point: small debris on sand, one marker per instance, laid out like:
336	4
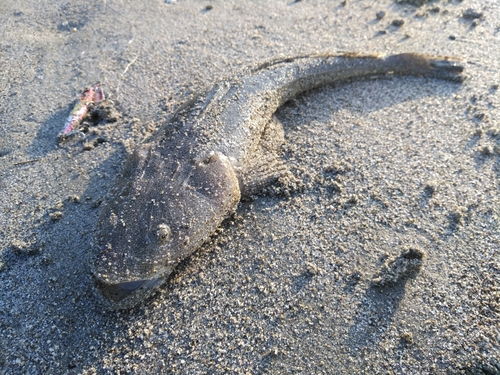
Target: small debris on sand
405	266
398	23
471	14
417	3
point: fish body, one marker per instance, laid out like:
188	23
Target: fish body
176	189
89	97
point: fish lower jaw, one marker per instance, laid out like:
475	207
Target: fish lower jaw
125	295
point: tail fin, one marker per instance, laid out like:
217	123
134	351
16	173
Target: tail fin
443	67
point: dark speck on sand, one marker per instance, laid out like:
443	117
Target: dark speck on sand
286	286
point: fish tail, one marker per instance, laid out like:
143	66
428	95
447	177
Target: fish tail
442	67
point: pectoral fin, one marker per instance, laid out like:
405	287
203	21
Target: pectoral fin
265	167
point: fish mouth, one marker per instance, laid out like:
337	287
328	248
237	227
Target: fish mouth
120	291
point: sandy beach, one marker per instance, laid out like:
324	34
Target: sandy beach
384	259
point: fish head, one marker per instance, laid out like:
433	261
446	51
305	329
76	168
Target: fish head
160	210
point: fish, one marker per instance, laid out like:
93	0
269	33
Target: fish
89	97
174	190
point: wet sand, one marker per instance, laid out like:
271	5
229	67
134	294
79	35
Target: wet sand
318	280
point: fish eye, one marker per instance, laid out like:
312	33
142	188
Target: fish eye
163	234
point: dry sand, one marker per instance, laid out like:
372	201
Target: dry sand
308	283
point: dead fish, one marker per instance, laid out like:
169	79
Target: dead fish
89	97
176	189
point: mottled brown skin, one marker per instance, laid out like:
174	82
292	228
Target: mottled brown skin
175	190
